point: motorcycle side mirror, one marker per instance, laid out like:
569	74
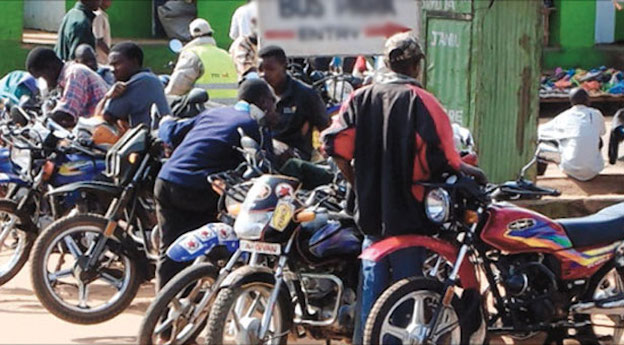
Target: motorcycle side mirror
19	116
198	96
58	130
176	45
154	114
249	145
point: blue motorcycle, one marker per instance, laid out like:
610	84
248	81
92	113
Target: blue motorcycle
35	159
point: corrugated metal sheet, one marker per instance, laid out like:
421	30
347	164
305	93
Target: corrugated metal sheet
506	65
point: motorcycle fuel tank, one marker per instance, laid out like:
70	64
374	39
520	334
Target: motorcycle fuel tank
333	240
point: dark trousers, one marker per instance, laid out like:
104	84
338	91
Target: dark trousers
179	210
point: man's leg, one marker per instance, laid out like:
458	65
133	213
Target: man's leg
374	278
179	210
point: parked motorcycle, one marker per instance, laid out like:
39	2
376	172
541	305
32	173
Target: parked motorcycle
543	275
36	159
107	255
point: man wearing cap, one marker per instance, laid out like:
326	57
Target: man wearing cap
202	64
389	136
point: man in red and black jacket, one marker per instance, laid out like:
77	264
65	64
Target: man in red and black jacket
387	137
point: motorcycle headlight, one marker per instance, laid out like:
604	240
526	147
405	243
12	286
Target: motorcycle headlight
249	225
438	205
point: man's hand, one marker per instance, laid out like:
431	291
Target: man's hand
475	172
117	90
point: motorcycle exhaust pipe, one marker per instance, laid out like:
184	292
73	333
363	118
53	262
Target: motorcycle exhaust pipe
612	306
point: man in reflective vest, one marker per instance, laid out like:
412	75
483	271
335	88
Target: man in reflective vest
202	64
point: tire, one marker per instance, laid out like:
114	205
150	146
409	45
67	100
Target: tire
385	304
49	243
224	302
25	241
160	306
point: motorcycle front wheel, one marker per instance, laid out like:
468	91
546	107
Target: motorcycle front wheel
402	315
236	314
15	243
68	290
171	319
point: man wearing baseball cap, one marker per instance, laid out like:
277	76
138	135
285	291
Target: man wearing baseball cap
389	136
202	64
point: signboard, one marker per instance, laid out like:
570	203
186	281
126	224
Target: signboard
334	27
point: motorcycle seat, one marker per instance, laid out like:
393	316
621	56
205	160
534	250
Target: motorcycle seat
604	227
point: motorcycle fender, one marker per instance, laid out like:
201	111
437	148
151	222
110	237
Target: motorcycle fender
200	242
381	249
86	186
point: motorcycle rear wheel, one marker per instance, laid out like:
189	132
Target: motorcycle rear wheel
15	243
174	306
386	321
74	235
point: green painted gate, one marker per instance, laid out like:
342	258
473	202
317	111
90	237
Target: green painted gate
483	63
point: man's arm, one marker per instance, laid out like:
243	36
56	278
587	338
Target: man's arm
98	32
187	71
172	131
318	112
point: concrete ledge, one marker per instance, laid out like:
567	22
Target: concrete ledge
567	207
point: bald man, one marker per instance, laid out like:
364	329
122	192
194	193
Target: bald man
85	55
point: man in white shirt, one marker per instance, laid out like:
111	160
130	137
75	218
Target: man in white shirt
242	20
578	132
102	32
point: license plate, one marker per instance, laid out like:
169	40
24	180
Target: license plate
260	247
282	215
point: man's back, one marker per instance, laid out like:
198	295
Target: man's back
578	131
75	30
208	147
82	90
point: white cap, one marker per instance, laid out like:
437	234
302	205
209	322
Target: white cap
200	27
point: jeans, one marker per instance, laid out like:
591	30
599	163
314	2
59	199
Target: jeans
375	277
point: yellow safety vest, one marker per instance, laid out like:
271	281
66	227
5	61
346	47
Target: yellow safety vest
220	78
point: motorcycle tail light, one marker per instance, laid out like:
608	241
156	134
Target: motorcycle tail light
48	170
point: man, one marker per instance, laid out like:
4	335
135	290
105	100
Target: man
202	64
130	100
102	32
578	133
16	85
82	89
396	134
244	52
76	29
86	55
185	200
300	108
242	20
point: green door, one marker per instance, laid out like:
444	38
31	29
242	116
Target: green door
448	63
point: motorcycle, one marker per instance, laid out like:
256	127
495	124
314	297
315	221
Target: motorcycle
535	274
111	253
36	159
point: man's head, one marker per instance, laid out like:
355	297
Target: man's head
200	28
272	65
92	5
44	63
86	55
579	96
258	93
403	54
126	58
106	4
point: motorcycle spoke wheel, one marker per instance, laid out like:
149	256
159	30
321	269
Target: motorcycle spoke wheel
79	291
15	244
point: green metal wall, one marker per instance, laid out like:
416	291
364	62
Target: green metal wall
505	73
488	75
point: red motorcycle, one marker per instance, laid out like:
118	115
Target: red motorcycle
514	272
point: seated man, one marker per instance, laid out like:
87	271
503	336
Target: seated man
86	55
578	133
130	100
82	89
185	200
300	108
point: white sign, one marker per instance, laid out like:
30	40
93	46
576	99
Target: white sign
334	27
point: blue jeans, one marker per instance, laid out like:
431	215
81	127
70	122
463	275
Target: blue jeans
375	277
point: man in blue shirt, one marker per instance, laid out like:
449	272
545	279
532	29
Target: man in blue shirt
185	200
129	101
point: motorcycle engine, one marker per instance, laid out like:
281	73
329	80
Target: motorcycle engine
532	287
